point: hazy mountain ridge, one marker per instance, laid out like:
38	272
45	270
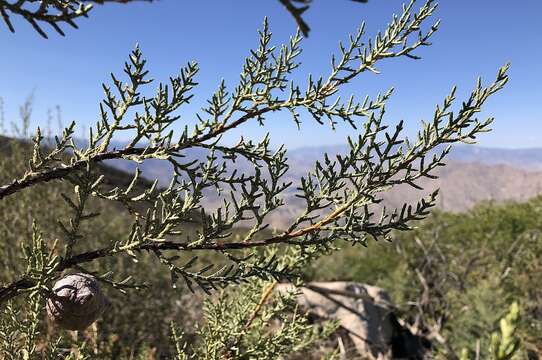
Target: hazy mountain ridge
302	160
462	185
526	159
473	174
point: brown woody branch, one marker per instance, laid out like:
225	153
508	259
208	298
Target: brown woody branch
67	13
10	291
297	12
61	172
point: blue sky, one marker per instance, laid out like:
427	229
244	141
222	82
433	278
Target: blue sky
476	37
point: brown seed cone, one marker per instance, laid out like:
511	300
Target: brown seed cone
77	302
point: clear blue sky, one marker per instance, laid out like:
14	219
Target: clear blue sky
476	37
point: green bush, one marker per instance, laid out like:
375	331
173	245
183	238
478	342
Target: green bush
64	212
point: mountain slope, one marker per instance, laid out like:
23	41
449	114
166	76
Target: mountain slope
473	174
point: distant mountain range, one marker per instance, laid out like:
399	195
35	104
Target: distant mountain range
302	160
526	159
473	174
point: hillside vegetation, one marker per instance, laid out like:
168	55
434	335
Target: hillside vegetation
103	264
131	323
455	274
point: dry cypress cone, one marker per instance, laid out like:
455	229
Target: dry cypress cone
76	302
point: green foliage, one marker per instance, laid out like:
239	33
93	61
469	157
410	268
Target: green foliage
340	194
505	343
57	12
456	273
253	323
232	243
133	319
66	12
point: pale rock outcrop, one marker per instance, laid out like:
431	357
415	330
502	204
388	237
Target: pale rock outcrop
364	311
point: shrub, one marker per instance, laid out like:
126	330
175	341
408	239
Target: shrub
342	195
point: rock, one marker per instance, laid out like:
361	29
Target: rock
77	302
364	311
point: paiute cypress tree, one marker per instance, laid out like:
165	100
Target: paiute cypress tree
341	194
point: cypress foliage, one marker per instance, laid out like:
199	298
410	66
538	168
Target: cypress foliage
341	194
